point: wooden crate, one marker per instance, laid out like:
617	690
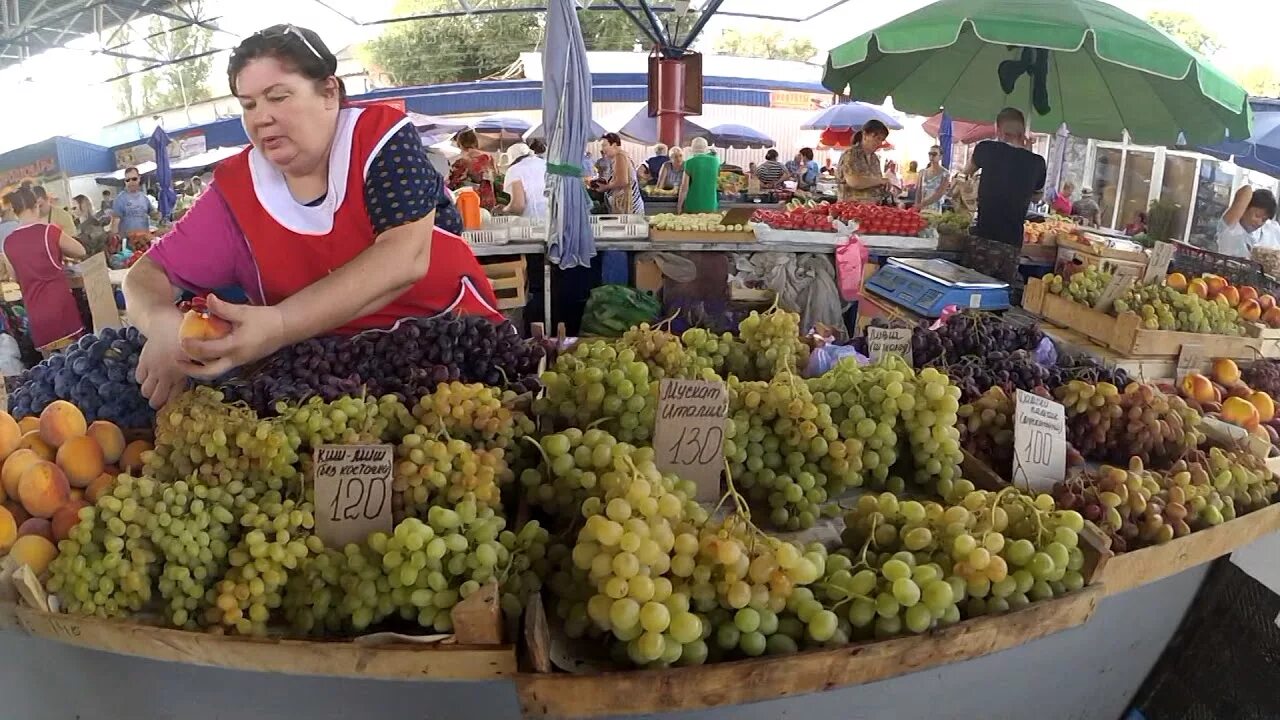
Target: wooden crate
701	237
1099	255
510	283
1125	333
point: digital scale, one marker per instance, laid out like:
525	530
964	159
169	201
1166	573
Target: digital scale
926	286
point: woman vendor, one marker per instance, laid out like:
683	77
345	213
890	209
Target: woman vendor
35	250
329	221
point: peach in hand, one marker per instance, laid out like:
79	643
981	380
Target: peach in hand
198	323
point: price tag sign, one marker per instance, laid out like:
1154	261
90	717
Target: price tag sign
688	435
1190	356
1039	442
1114	289
882	342
353	492
1158	264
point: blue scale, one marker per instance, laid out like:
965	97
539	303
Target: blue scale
926	286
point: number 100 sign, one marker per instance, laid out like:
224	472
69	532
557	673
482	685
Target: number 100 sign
1039	442
353	492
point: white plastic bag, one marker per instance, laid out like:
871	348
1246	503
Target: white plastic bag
10	356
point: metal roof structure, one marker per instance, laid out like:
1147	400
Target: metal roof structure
31	27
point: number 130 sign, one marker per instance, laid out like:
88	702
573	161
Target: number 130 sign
688	436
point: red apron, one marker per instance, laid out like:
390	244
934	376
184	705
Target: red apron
291	258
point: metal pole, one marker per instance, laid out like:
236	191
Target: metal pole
703	18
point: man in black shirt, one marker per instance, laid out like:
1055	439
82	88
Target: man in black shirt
1012	178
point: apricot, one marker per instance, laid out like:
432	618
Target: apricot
1198	388
33	442
1231	295
1265	405
1198	287
34	551
1250	310
67	517
10	434
29	423
1238	411
100	486
1226	371
18	512
1271	316
1216	284
131	459
1176	280
200	324
1248	292
81	459
8	529
37	526
110	438
1267	302
14	466
60	422
43	489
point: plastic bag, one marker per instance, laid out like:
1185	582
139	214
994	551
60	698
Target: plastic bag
824	358
10	356
680	269
851	258
612	309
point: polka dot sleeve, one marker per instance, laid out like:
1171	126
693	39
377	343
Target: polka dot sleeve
402	186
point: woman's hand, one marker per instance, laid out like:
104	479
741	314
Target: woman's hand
256	332
160	371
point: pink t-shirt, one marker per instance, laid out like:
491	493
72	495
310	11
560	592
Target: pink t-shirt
206	250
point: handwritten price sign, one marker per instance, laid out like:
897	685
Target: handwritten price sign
1039	442
353	492
689	433
883	342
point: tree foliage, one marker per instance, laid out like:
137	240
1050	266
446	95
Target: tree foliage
1260	81
765	44
1186	28
173	84
473	47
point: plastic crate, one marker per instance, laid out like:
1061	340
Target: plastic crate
619	220
486	236
527	233
1194	262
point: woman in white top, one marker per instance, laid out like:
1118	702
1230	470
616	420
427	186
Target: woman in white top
525	183
1249	222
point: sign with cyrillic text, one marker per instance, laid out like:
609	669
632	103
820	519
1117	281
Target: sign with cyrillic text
882	342
688	435
353	492
1039	442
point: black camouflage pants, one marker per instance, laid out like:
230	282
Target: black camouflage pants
996	259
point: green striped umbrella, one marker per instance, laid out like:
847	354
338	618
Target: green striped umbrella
1090	65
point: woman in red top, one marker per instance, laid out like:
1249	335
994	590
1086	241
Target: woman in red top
35	251
474	168
329	222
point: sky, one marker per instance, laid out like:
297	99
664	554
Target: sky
66	85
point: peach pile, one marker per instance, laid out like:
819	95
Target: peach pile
1224	394
1252	306
50	468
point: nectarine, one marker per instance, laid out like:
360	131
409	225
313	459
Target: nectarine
110	438
10	434
1266	406
1231	295
1176	280
60	421
1248	292
1225	371
200	324
1216	284
1198	287
1250	310
1267	302
1238	411
131	460
15	509
81	459
34	442
35	552
14	466
1271	316
37	526
8	529
1197	387
43	489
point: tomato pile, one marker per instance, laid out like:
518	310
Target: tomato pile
871	219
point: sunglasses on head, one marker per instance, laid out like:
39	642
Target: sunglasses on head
286	31
933	154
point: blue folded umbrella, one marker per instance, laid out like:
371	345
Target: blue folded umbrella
739	137
1261	150
566	113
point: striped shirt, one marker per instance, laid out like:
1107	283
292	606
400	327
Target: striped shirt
770	172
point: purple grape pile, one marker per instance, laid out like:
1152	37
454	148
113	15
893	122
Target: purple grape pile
972	333
1263	375
96	373
407	361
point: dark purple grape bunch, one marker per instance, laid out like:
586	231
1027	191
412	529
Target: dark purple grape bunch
96	373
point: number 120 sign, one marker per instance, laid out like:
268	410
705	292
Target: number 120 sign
353	492
688	436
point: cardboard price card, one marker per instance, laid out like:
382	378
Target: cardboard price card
1039	442
882	342
1190	356
1114	289
1158	263
688	435
353	492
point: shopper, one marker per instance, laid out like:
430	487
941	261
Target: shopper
1012	178
700	189
656	161
911	178
90	231
131	211
35	250
672	174
1062	201
620	182
106	203
538	147
1249	222
525	183
804	170
934	182
858	171
473	169
771	173
358	254
52	213
1086	208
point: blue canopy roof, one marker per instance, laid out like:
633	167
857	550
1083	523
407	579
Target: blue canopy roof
56	155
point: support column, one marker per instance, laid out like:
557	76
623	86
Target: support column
671	106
